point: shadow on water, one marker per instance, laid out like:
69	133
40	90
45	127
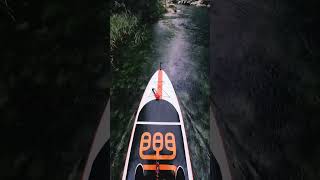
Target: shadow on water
180	42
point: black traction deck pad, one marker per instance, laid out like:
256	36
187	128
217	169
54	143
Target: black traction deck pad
168	136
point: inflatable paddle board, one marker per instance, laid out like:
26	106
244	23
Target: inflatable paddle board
158	147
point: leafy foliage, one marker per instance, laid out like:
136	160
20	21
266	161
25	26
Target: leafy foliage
129	20
121	26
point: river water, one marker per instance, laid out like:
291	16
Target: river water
180	42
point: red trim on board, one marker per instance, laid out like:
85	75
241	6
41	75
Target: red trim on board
159	88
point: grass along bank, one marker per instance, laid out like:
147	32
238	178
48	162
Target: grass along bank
128	27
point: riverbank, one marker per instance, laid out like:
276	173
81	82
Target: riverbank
129	22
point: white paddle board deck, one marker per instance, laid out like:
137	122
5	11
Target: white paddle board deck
158	140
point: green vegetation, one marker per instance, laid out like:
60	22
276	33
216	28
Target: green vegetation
148	11
122	25
125	29
129	21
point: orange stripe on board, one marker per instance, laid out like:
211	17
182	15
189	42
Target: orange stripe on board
162	167
159	90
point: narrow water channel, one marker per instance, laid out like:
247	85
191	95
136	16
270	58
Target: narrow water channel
180	42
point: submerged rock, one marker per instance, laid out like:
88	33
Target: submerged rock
172	8
198	3
184	2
